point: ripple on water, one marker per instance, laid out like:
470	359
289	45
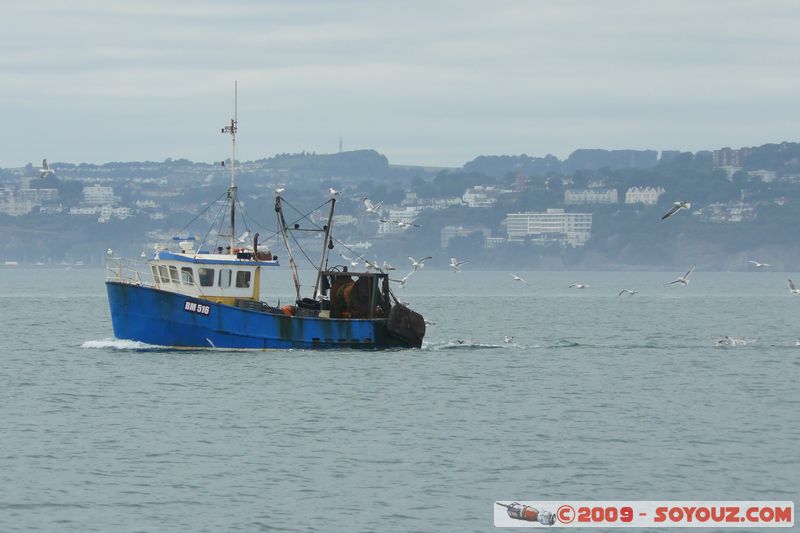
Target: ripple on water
595	398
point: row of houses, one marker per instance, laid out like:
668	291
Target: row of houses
634	195
97	201
486	196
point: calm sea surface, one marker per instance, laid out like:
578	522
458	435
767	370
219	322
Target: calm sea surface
597	397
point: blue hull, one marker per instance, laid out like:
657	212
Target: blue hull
164	318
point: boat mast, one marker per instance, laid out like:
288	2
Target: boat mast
232	129
285	234
326	245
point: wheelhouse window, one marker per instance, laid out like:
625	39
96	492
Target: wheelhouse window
156	277
173	274
187	276
243	279
163	273
225	278
206	277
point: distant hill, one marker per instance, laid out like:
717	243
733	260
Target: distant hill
614	159
582	159
353	164
499	166
783	157
737	212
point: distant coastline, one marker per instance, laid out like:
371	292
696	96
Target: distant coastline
594	210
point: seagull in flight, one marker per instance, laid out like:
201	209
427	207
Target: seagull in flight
627	291
759	265
109	252
372	208
517	278
372	266
45	170
579	286
683	280
676	206
793	289
419	264
380	268
403	281
353	262
455	264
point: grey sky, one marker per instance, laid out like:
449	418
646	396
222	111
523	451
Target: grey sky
428	82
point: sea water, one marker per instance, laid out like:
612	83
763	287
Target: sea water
596	397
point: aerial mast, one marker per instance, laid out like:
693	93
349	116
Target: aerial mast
285	233
232	129
327	244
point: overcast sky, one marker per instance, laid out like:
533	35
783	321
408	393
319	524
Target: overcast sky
429	82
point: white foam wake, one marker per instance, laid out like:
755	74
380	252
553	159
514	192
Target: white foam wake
118	344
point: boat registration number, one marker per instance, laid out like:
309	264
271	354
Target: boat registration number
194	307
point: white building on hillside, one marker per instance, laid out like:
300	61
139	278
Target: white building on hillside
590	196
643	195
99	195
554	225
104	213
480	196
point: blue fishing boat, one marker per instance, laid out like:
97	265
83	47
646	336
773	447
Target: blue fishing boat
194	295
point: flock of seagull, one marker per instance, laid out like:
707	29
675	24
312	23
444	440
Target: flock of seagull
725	341
416	264
375	209
684	280
455	264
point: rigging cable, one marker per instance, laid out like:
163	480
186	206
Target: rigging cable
306	217
256	223
219	215
203	211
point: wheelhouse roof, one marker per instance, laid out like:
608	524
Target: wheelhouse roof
200	258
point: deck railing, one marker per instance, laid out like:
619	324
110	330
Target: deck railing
126	270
